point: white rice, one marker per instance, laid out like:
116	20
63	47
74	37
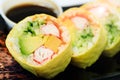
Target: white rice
16	46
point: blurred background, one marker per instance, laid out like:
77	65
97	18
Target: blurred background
66	3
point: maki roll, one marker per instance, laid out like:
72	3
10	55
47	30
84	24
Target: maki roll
88	36
109	18
113	3
41	45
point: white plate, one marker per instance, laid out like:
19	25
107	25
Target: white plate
66	3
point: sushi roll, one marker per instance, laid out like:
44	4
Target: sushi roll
88	36
109	18
41	45
113	3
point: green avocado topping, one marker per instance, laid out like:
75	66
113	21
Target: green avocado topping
83	38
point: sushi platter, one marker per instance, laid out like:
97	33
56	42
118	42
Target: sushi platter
79	53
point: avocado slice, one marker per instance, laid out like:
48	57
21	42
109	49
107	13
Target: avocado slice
30	43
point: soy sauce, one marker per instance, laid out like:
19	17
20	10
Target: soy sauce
20	12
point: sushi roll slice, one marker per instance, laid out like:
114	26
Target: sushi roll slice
109	18
113	3
41	45
88	37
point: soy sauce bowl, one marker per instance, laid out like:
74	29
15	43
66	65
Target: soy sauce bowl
12	10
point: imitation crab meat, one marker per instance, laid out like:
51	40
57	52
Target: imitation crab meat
50	29
42	54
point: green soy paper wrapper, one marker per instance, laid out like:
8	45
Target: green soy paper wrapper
41	45
109	17
88	36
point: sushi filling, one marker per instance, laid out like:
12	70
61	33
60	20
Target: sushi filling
42	54
50	42
113	28
79	22
83	41
32	27
84	35
115	2
99	11
111	24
